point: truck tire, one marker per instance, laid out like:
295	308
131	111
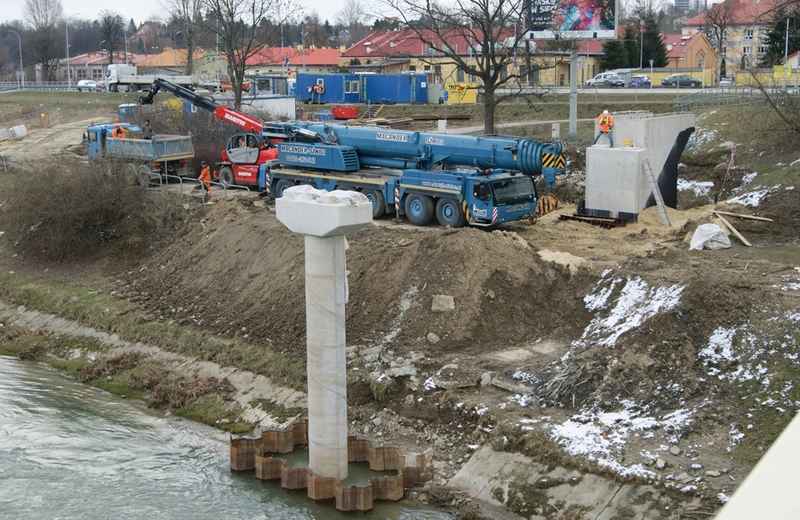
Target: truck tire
281	186
129	174
378	202
113	87
143	176
226	177
449	213
419	209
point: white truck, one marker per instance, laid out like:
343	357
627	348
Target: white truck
120	77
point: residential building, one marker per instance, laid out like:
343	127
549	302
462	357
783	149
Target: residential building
401	50
692	51
270	61
746	25
92	65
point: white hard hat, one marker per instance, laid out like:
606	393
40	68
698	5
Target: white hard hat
605	112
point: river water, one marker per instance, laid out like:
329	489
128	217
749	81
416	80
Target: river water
71	451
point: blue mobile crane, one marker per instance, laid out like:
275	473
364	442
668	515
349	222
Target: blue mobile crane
459	179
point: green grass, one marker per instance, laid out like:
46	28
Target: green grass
211	410
102	311
117	386
276	410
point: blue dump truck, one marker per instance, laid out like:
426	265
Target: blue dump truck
142	161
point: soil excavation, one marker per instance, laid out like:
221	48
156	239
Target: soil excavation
637	358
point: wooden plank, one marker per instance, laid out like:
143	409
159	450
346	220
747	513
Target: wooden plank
751	217
733	230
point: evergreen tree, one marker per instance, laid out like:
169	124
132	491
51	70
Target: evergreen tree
632	46
723	69
614	55
776	38
654	47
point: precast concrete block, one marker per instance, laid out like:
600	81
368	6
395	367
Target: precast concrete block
308	211
616	183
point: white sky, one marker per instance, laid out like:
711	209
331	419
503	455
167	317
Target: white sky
143	10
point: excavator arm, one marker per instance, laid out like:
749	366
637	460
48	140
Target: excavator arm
230	115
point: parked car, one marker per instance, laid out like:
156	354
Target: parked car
683	80
90	85
606	79
639	80
725	82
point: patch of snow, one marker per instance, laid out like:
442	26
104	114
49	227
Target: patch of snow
753	198
636	303
720	347
700	188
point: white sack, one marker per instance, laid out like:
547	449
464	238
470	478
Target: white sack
709	236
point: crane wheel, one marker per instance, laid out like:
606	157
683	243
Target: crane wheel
419	209
281	186
378	202
449	213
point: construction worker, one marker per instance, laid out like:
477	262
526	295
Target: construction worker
147	131
606	122
118	132
205	177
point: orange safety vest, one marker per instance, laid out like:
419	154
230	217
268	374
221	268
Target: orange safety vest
205	177
605	122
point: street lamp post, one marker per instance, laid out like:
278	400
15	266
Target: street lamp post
66	28
21	68
641	40
785	54
174	52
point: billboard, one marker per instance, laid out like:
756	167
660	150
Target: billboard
571	19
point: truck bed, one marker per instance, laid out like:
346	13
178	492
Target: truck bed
160	148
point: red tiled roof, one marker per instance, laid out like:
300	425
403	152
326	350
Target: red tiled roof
678	43
742	12
171	58
101	58
278	55
384	43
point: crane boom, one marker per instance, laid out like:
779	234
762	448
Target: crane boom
230	115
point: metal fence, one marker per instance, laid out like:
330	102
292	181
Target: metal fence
734	96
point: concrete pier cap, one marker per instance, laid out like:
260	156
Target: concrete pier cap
324	218
306	210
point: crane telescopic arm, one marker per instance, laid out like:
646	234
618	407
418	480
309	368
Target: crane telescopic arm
230	115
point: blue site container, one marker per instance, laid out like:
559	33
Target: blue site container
394	88
360	88
127	111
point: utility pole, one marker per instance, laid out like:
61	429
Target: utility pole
22	69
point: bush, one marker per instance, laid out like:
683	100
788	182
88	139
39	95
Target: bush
68	211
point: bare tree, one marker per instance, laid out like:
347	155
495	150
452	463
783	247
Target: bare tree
718	19
353	17
188	18
489	27
243	28
316	35
111	26
44	39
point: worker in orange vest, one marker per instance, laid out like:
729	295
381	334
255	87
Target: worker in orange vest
118	132
205	177
606	122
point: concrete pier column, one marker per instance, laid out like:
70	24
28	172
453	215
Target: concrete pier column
324	218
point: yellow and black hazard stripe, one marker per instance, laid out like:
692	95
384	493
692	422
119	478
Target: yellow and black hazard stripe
554	160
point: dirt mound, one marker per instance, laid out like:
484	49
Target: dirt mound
238	271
